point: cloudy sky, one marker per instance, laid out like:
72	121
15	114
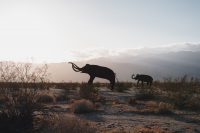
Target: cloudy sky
63	30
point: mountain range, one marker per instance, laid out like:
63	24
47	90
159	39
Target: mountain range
161	64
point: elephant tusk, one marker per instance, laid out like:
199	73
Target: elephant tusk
74	67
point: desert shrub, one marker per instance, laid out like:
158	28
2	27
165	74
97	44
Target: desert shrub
132	101
179	99
122	86
145	94
193	103
19	104
45	98
3	99
88	91
82	106
22	72
62	98
182	92
165	108
63	124
17	114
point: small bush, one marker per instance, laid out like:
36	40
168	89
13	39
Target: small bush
132	101
3	99
17	113
165	108
61	124
45	98
179	98
193	103
82	106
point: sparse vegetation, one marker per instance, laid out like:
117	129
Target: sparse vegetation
182	92
122	86
145	94
62	98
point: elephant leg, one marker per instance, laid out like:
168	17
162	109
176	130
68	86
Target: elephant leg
91	80
142	83
150	84
138	83
112	83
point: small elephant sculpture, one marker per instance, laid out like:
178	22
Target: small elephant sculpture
143	78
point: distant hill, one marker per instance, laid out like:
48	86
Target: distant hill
172	64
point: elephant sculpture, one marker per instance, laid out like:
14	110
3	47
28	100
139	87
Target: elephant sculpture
143	78
96	71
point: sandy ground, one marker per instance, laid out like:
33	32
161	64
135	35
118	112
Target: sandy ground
116	114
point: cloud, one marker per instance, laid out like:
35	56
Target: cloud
117	54
93	53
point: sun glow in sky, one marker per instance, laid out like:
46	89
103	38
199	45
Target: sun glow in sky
54	30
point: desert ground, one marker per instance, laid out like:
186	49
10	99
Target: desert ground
129	112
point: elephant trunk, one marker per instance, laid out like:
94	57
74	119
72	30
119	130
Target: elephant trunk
133	76
75	67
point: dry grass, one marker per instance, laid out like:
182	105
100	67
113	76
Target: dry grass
137	130
63	124
152	107
148	130
82	106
